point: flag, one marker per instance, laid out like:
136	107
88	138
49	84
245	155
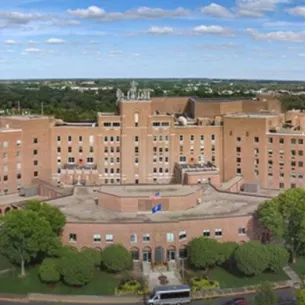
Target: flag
155	196
157	208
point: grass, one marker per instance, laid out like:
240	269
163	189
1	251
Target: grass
4	263
299	266
103	284
228	279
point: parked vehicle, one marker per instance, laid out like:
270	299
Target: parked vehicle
237	301
170	295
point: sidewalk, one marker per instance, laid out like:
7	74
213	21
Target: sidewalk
295	279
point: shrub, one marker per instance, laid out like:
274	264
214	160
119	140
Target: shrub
199	283
94	255
66	250
252	258
49	270
279	257
116	258
131	286
76	269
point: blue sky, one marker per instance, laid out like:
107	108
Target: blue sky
257	39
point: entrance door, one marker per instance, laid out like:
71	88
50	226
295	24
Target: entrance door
146	256
171	255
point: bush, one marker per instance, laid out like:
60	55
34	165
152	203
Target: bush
279	257
199	283
252	258
93	255
131	286
76	269
116	258
49	270
66	250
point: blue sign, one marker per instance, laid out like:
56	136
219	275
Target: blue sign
156	208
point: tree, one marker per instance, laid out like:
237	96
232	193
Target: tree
65	251
94	255
265	295
301	296
49	270
279	257
203	252
116	258
24	236
284	216
76	269
52	214
226	252
252	258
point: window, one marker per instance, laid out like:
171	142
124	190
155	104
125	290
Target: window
238	160
212	137
238	149
218	232
91	149
97	238
182	235
300	153
241	231
136	150
5	144
118	139
206	233
80	149
58	149
35	174
238	139
270	140
109	238
256	139
5	178
69	138
170	237
181	137
35	162
300	141
182	159
281	140
116	124
192	137
281	185
35	140
146	237
293	141
35	152
80	138
90	160
69	149
300	164
71	160
107	124
136	139
133	238
72	238
58	138
18	142
238	170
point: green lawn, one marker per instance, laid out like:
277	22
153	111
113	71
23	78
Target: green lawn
4	263
228	279
299	266
103	284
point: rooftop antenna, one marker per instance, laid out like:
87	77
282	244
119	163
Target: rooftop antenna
42	108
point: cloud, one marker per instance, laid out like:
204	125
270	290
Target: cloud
33	50
155	30
11	19
55	41
301	55
216	10
285	36
212	29
99	14
11	42
135	54
297	11
256	8
31	42
116	52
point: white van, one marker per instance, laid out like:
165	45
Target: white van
168	295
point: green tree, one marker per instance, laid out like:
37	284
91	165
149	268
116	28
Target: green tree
203	252
279	257
65	251
116	258
24	236
265	295
52	214
284	216
76	269
49	270
226	252
94	255
252	258
301	296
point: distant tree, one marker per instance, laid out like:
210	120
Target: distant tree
203	252
252	258
25	236
284	216
265	295
49	270
94	255
279	257
76	269
52	214
116	258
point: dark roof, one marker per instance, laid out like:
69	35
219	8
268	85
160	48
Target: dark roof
220	99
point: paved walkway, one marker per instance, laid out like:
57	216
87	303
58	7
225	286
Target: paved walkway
295	279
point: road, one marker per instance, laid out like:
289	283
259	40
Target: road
285	297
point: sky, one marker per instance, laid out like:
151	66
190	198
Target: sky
248	39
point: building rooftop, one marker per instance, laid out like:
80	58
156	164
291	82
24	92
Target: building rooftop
27	117
251	115
10	130
82	206
206	167
221	99
16	199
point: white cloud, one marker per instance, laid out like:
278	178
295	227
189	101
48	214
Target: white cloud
116	52
155	30
216	10
301	55
256	8
212	29
11	42
31	42
135	54
286	36
11	19
55	41
297	11
99	14
33	50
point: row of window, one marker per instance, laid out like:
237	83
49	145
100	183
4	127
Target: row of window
170	237
112	124
158	124
292	141
70	150
111	139
80	139
192	137
71	160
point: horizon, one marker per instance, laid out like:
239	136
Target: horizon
81	39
